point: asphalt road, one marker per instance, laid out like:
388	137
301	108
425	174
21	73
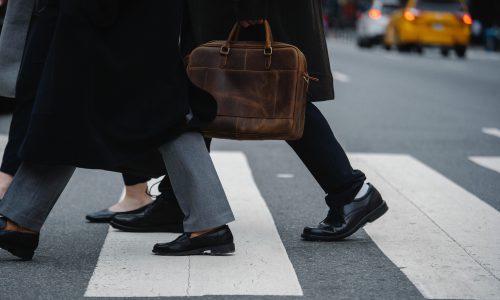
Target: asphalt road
427	107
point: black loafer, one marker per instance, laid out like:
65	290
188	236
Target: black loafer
163	215
216	242
105	215
344	221
20	244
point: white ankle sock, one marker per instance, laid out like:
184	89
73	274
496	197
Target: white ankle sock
363	191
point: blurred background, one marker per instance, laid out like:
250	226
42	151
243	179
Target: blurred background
367	20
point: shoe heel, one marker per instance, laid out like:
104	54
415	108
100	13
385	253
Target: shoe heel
224	249
23	254
378	212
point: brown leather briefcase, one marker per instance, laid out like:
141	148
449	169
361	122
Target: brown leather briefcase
260	87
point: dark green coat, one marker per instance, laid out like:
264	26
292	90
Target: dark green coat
297	22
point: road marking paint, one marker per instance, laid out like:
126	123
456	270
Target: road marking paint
489	162
339	76
492	131
260	266
285	175
444	239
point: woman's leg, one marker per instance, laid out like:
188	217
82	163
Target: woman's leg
5	181
134	199
324	157
135	195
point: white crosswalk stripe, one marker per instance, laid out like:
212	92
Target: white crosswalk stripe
492	131
260	267
341	77
490	162
442	237
3	142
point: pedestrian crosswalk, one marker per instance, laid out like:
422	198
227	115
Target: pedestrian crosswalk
442	237
260	267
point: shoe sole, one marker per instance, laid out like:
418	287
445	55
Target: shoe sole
165	228
214	251
22	254
369	218
92	220
107	220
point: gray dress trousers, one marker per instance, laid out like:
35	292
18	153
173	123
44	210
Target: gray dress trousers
36	188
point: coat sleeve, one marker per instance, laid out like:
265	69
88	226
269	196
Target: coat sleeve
251	9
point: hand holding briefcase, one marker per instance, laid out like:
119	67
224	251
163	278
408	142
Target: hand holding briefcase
260	87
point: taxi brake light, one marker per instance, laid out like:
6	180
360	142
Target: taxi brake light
375	14
409	15
467	19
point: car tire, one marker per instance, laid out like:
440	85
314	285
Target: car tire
403	48
461	51
364	43
445	52
387	47
419	50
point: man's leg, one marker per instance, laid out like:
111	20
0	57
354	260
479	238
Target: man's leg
37	44
200	196
26	205
195	183
33	193
327	161
352	202
18	127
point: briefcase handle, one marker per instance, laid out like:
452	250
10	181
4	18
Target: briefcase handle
235	34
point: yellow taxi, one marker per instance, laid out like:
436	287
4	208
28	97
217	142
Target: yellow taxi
439	23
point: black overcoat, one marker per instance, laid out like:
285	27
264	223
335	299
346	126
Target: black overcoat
113	87
297	22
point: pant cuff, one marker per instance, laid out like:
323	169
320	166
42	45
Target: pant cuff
23	221
221	221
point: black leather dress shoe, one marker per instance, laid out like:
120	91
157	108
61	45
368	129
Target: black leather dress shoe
344	221
105	215
216	242
163	215
20	244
